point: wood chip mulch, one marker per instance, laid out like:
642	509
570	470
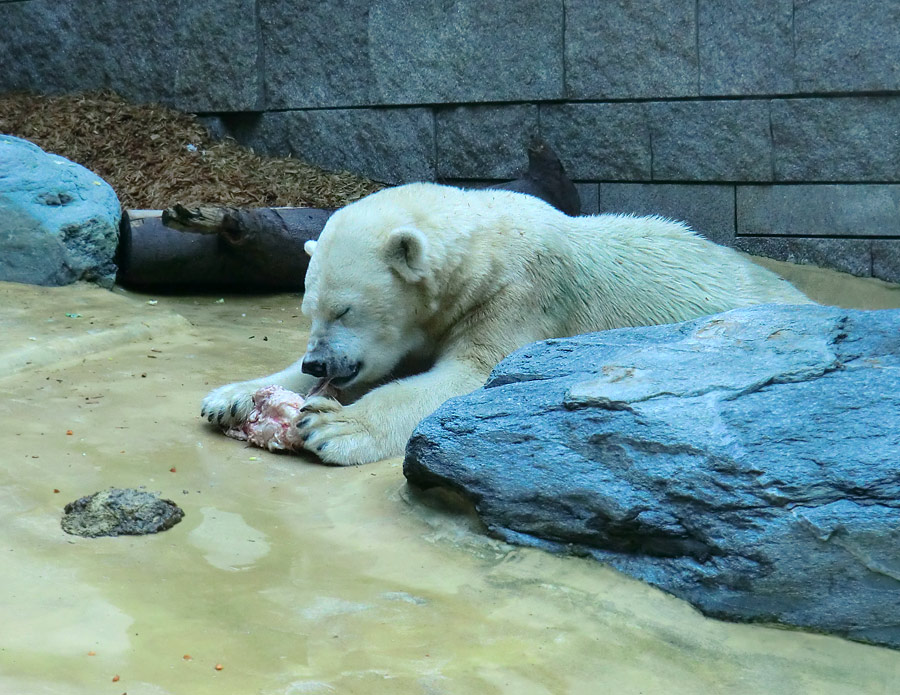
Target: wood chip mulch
154	156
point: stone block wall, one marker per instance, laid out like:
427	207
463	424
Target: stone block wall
770	125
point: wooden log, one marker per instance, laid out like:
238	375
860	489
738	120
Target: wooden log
261	249
251	250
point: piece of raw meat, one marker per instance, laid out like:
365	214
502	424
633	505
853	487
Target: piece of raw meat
270	424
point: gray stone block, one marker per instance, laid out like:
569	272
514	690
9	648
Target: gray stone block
166	51
315	55
630	49
711	141
746	47
395	52
599	141
391	145
707	209
852	139
590	197
852	256
474	184
819	210
215	125
514	185
489	142
39	42
886	259
847	45
544	178
59	222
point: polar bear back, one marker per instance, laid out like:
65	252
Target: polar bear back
508	268
650	270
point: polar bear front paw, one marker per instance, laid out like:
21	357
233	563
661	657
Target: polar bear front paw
337	434
230	404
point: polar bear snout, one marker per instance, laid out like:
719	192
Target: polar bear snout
324	365
314	367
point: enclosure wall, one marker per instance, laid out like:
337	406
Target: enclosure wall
772	125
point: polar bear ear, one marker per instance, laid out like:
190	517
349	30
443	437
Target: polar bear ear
309	247
405	252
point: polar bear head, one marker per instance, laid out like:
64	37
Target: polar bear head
367	293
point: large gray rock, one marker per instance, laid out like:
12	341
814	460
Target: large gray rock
746	462
59	222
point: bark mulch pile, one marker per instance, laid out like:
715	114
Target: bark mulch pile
154	156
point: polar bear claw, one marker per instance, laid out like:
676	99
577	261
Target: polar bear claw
230	404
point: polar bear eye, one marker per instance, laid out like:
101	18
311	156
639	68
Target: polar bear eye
342	314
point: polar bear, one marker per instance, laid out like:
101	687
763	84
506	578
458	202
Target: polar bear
455	280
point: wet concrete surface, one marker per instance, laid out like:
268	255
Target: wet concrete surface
296	577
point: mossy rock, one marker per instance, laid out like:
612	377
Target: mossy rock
118	512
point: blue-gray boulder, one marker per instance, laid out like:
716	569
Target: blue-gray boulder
59	222
748	462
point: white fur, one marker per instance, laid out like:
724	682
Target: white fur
460	279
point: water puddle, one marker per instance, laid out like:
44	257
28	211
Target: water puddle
226	541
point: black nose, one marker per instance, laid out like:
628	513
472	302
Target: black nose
316	368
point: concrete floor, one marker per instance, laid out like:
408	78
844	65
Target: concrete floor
299	578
